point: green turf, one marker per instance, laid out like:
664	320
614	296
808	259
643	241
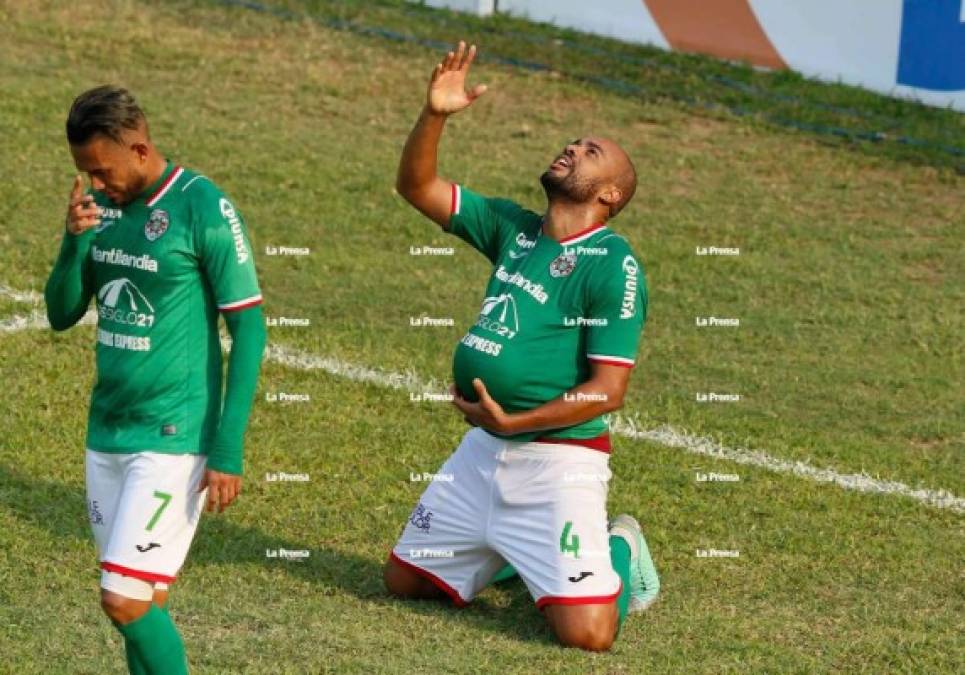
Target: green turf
849	289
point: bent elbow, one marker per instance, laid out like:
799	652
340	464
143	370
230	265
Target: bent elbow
401	187
614	402
407	191
58	322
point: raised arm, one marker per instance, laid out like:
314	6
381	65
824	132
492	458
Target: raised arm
418	180
69	287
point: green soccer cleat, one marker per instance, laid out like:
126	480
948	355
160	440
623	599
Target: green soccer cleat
644	582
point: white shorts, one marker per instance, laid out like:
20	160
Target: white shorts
539	506
144	508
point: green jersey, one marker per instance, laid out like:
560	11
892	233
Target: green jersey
162	267
551	308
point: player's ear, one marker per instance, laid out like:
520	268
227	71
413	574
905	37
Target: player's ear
611	196
139	149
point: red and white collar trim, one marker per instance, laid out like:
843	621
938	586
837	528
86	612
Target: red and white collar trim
583	234
165	186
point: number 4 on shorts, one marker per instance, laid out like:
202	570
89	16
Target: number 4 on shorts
165	500
573	543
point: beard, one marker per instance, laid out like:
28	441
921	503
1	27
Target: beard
135	187
571	187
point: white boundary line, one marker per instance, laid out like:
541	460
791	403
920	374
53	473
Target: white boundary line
627	427
37	320
31	297
620	425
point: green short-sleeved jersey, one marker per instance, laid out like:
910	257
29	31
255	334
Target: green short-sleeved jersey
163	266
550	308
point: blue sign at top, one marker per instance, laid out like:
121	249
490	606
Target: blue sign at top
931	53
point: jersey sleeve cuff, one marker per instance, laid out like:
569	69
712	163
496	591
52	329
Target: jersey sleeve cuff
237	305
621	361
456	206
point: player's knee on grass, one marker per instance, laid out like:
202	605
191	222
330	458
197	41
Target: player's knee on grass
125	598
405	583
589	627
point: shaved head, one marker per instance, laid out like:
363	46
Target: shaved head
592	170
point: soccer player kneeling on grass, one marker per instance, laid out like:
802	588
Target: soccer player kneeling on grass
549	355
164	252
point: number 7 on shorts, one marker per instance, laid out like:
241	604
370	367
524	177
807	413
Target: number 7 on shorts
165	500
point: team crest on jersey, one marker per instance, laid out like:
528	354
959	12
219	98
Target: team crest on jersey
156	225
563	264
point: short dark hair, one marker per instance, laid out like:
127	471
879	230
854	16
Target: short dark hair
107	110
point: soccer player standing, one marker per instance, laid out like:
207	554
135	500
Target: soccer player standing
165	253
548	357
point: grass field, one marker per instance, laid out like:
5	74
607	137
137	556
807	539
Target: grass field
849	288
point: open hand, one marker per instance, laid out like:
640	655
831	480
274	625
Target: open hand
447	88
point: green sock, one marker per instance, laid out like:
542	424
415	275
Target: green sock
134	665
620	559
507	572
155	643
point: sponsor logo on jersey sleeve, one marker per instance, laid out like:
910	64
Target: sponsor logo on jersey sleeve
229	213
630	270
157	224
